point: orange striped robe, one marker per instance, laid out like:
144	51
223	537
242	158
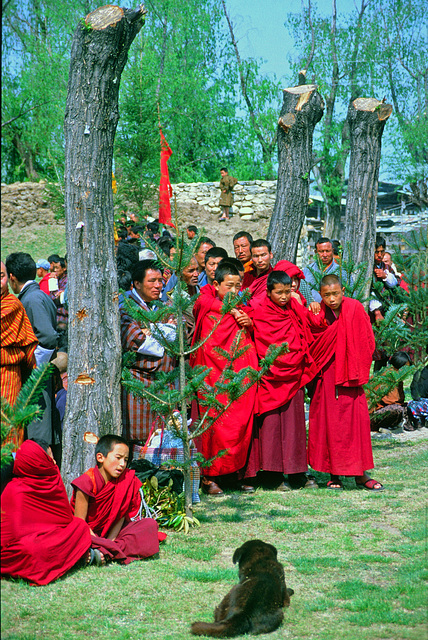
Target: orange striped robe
18	344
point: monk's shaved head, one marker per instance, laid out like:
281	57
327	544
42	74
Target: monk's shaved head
330	279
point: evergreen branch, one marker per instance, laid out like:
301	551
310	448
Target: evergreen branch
33	388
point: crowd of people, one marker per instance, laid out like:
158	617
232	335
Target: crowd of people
330	351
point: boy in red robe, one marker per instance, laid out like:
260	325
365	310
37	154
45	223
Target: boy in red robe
279	438
339	423
232	431
107	497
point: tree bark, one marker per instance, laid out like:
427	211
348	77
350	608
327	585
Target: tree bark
98	55
301	110
366	118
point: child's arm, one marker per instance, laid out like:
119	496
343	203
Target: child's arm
114	531
81	506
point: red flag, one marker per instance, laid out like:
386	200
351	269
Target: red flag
165	189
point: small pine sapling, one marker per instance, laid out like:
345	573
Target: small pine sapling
175	390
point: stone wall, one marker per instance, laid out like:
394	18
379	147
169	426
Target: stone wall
24	203
251	198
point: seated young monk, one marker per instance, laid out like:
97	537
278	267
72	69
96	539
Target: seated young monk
279	437
232	430
390	410
107	497
339	423
40	538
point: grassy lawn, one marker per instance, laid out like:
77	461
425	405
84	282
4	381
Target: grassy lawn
38	240
354	559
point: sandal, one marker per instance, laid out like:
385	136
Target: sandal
95	558
370	485
331	485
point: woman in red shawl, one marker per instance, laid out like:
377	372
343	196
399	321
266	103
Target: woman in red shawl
339	423
40	538
108	498
279	437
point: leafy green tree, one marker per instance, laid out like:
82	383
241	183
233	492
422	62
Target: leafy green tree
260	99
176	77
332	58
378	49
36	39
402	66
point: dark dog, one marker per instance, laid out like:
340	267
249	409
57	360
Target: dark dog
255	604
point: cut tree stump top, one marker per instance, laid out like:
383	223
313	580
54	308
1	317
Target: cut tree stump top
371	105
104	17
302	88
304	92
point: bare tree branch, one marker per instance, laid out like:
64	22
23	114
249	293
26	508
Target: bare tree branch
23	113
266	147
302	73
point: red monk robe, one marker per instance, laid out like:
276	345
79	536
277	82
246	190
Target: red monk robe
40	538
233	430
257	286
111	501
339	423
279	440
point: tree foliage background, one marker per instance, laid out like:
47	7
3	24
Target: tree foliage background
183	72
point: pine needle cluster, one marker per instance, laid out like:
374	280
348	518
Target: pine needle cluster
25	409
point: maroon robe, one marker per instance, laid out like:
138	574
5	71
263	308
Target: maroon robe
339	423
231	431
40	538
279	436
111	501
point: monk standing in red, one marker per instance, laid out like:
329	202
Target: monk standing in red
339	422
232	430
279	437
255	279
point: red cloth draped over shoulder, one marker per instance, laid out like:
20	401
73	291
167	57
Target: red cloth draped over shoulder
350	339
40	538
290	371
232	430
257	285
293	271
108	501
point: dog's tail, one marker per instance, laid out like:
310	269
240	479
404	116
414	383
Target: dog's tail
223	629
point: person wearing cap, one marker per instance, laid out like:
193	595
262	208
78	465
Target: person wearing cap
44	272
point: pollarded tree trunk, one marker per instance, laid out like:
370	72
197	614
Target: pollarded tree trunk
98	56
301	110
333	221
366	118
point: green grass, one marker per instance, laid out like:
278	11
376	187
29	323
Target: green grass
355	560
39	241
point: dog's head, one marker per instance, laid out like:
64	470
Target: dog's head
253	550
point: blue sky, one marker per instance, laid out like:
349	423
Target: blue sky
259	26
